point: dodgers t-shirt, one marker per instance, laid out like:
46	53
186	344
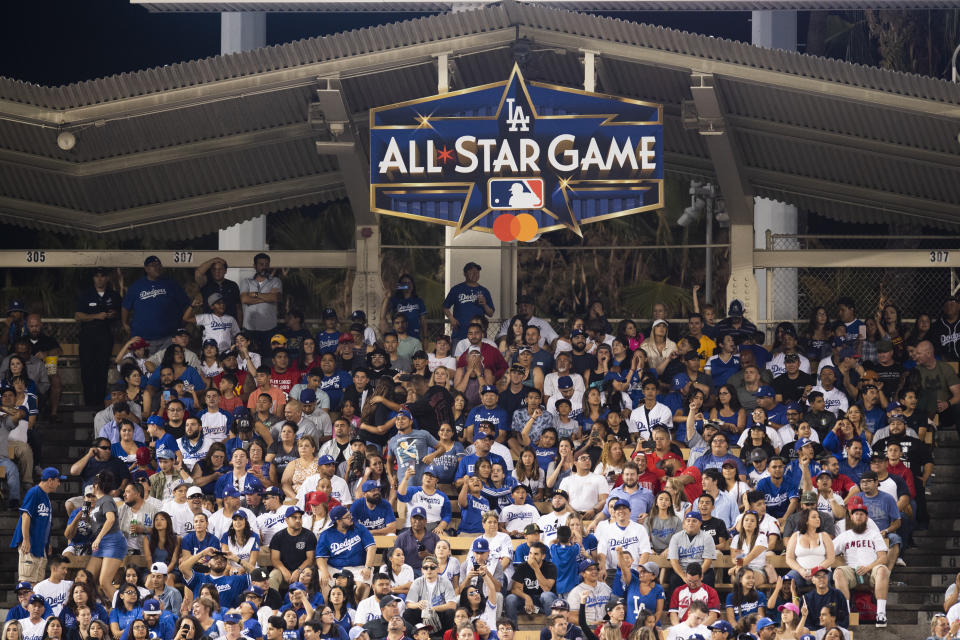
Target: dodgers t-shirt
347	549
157	306
462	301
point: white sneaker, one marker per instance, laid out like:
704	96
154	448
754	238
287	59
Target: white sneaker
881	621
900	562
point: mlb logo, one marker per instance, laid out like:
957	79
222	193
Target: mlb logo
515	193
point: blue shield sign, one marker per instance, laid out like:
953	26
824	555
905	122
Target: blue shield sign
558	156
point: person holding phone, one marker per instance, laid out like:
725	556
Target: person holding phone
97	459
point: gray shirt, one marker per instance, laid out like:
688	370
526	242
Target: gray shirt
263	315
6	426
596	603
685	550
409	449
436	593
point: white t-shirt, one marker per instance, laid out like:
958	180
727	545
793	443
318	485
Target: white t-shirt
634	538
859	549
182	516
223	329
584	491
405	575
549	523
576	402
338	489
642	420
772	433
515	517
219	523
954	613
369	609
54	594
683	631
550	383
433	362
758	563
215	427
501	546
32	631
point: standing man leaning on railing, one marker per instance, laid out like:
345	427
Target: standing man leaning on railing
98	308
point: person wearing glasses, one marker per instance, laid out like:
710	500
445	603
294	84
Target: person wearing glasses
98	458
431	598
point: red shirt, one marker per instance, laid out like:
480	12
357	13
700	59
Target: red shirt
694	490
285	381
625	629
682	597
904	472
492	359
649	480
842	485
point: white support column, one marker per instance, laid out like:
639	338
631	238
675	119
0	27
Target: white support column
498	263
775	30
243	31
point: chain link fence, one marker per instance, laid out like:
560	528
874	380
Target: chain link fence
913	291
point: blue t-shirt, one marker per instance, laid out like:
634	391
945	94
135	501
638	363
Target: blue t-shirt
777	498
746	608
328	341
164	629
565	557
468	462
411	308
545	455
230	588
334	386
710	461
635	601
36	504
882	508
190	375
125	618
191	544
86	531
496	416
854	472
445	466
167	443
471	516
344	549
376	518
462	301
157	306
721	371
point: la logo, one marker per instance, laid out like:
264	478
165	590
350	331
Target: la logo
515	117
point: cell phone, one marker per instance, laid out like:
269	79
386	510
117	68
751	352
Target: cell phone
405	377
649	445
166	395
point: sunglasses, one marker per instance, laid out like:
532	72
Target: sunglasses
429	567
473	592
103	448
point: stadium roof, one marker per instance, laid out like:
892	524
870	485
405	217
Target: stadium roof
189	148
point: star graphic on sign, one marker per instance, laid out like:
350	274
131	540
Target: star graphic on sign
444	155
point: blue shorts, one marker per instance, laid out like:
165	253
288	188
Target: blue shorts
112	545
894	539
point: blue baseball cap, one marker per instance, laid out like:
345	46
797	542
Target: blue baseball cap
153	606
231	492
254	487
680	381
585	564
155	420
479	435
765	622
695	515
793	406
273	491
621	503
418	512
325	459
564	382
405	413
488	388
723	626
231	618
239	513
150	260
23	585
254	590
765	391
577	332
802	442
370	485
297	586
166	454
480	545
50	473
292	511
16	305
338	512
308	396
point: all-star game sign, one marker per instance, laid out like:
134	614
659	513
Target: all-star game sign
516	158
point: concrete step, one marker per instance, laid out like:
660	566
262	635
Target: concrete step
917	574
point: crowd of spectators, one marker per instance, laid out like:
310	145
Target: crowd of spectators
365	483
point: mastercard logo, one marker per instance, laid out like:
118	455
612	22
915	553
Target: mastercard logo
508	227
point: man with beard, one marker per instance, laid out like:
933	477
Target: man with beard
865	553
136	516
192	445
373	512
639	498
550	522
230	587
260	295
390	624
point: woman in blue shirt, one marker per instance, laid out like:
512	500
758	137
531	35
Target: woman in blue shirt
640	591
342	611
444	465
744	598
175	358
472	506
127	610
79	594
126	449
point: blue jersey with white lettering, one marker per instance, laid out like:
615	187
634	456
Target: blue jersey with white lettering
471	516
377	518
462	301
36	504
346	549
328	341
411	308
777	498
468	462
230	588
445	466
334	386
496	416
157	306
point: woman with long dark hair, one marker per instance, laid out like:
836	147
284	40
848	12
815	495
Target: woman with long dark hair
729	412
401	574
308	357
208	470
80	595
127	610
132	377
329	628
109	546
163	544
513	338
343	613
241	541
528	472
662	522
53	630
744	598
188	628
258	466
283	450
816	339
404	299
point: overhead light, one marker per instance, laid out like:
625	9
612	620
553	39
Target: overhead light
692	213
66	140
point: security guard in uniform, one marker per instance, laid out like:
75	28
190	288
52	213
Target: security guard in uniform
98	308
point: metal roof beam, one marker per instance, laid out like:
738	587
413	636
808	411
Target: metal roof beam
174	259
740	72
172	211
165	155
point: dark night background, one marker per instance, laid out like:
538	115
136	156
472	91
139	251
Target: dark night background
60	42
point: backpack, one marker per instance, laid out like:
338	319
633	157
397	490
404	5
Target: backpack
865	605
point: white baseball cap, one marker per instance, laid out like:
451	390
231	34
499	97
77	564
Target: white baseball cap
159	567
194	491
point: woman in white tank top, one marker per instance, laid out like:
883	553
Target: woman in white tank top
808	547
